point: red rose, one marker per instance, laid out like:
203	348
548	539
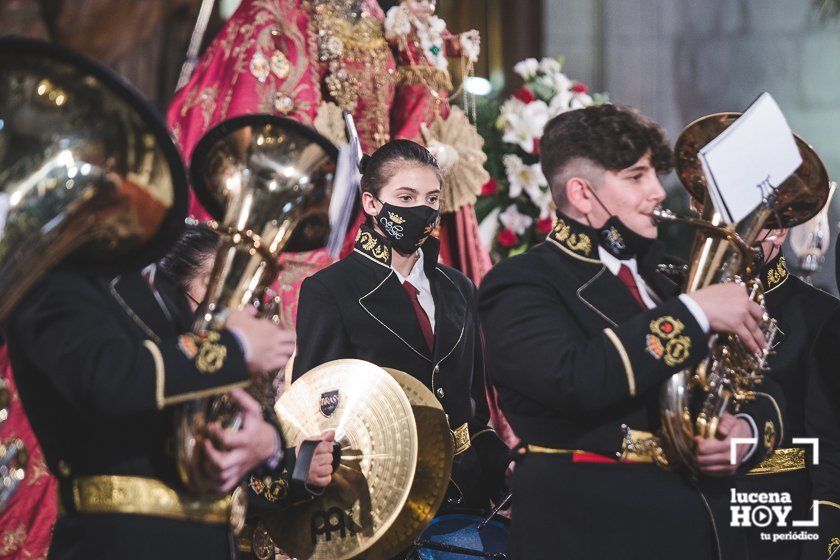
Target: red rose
524	95
507	238
490	187
536	148
579	88
544	224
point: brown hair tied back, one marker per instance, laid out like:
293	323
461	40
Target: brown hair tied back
378	168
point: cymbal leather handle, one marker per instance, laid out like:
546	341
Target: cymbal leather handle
302	464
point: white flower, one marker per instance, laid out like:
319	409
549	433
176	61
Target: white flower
560	103
513	220
523	123
527	68
521	177
580	100
397	22
561	82
549	66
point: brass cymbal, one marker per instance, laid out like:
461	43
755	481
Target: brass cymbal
374	423
798	198
434	467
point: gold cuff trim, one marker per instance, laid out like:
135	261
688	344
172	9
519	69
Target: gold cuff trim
148	496
160	372
828	503
167	401
781	461
625	359
461	437
480	432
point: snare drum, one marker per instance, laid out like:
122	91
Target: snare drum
460	535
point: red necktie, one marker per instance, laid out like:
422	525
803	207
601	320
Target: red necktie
626	277
425	325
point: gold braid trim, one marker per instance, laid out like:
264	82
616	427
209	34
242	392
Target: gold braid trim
780	461
434	78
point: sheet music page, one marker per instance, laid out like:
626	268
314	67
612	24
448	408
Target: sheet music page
750	159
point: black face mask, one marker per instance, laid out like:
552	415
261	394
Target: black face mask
406	227
621	241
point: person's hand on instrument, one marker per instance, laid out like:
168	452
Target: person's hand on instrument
729	310
267	347
229	455
321	469
714	454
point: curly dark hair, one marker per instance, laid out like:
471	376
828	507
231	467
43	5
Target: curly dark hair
612	137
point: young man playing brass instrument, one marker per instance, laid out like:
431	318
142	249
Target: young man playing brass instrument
582	330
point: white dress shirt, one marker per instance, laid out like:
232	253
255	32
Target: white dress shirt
418	279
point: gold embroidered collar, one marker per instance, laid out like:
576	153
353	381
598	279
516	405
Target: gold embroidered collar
373	246
774	273
574	239
376	248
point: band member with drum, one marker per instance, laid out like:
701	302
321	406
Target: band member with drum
389	302
581	332
98	362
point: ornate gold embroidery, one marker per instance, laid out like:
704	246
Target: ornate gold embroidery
329	122
429	76
579	243
769	435
833	545
12	540
775	275
677	350
208	353
666	327
211	354
352	44
781	460
372	247
276	490
397	219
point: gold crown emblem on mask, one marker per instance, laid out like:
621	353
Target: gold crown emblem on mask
397	219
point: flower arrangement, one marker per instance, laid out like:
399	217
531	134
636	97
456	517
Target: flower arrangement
515	207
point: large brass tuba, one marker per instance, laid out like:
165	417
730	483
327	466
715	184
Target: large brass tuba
267	181
88	172
88	176
692	401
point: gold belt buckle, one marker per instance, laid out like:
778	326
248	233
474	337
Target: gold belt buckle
782	460
461	438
